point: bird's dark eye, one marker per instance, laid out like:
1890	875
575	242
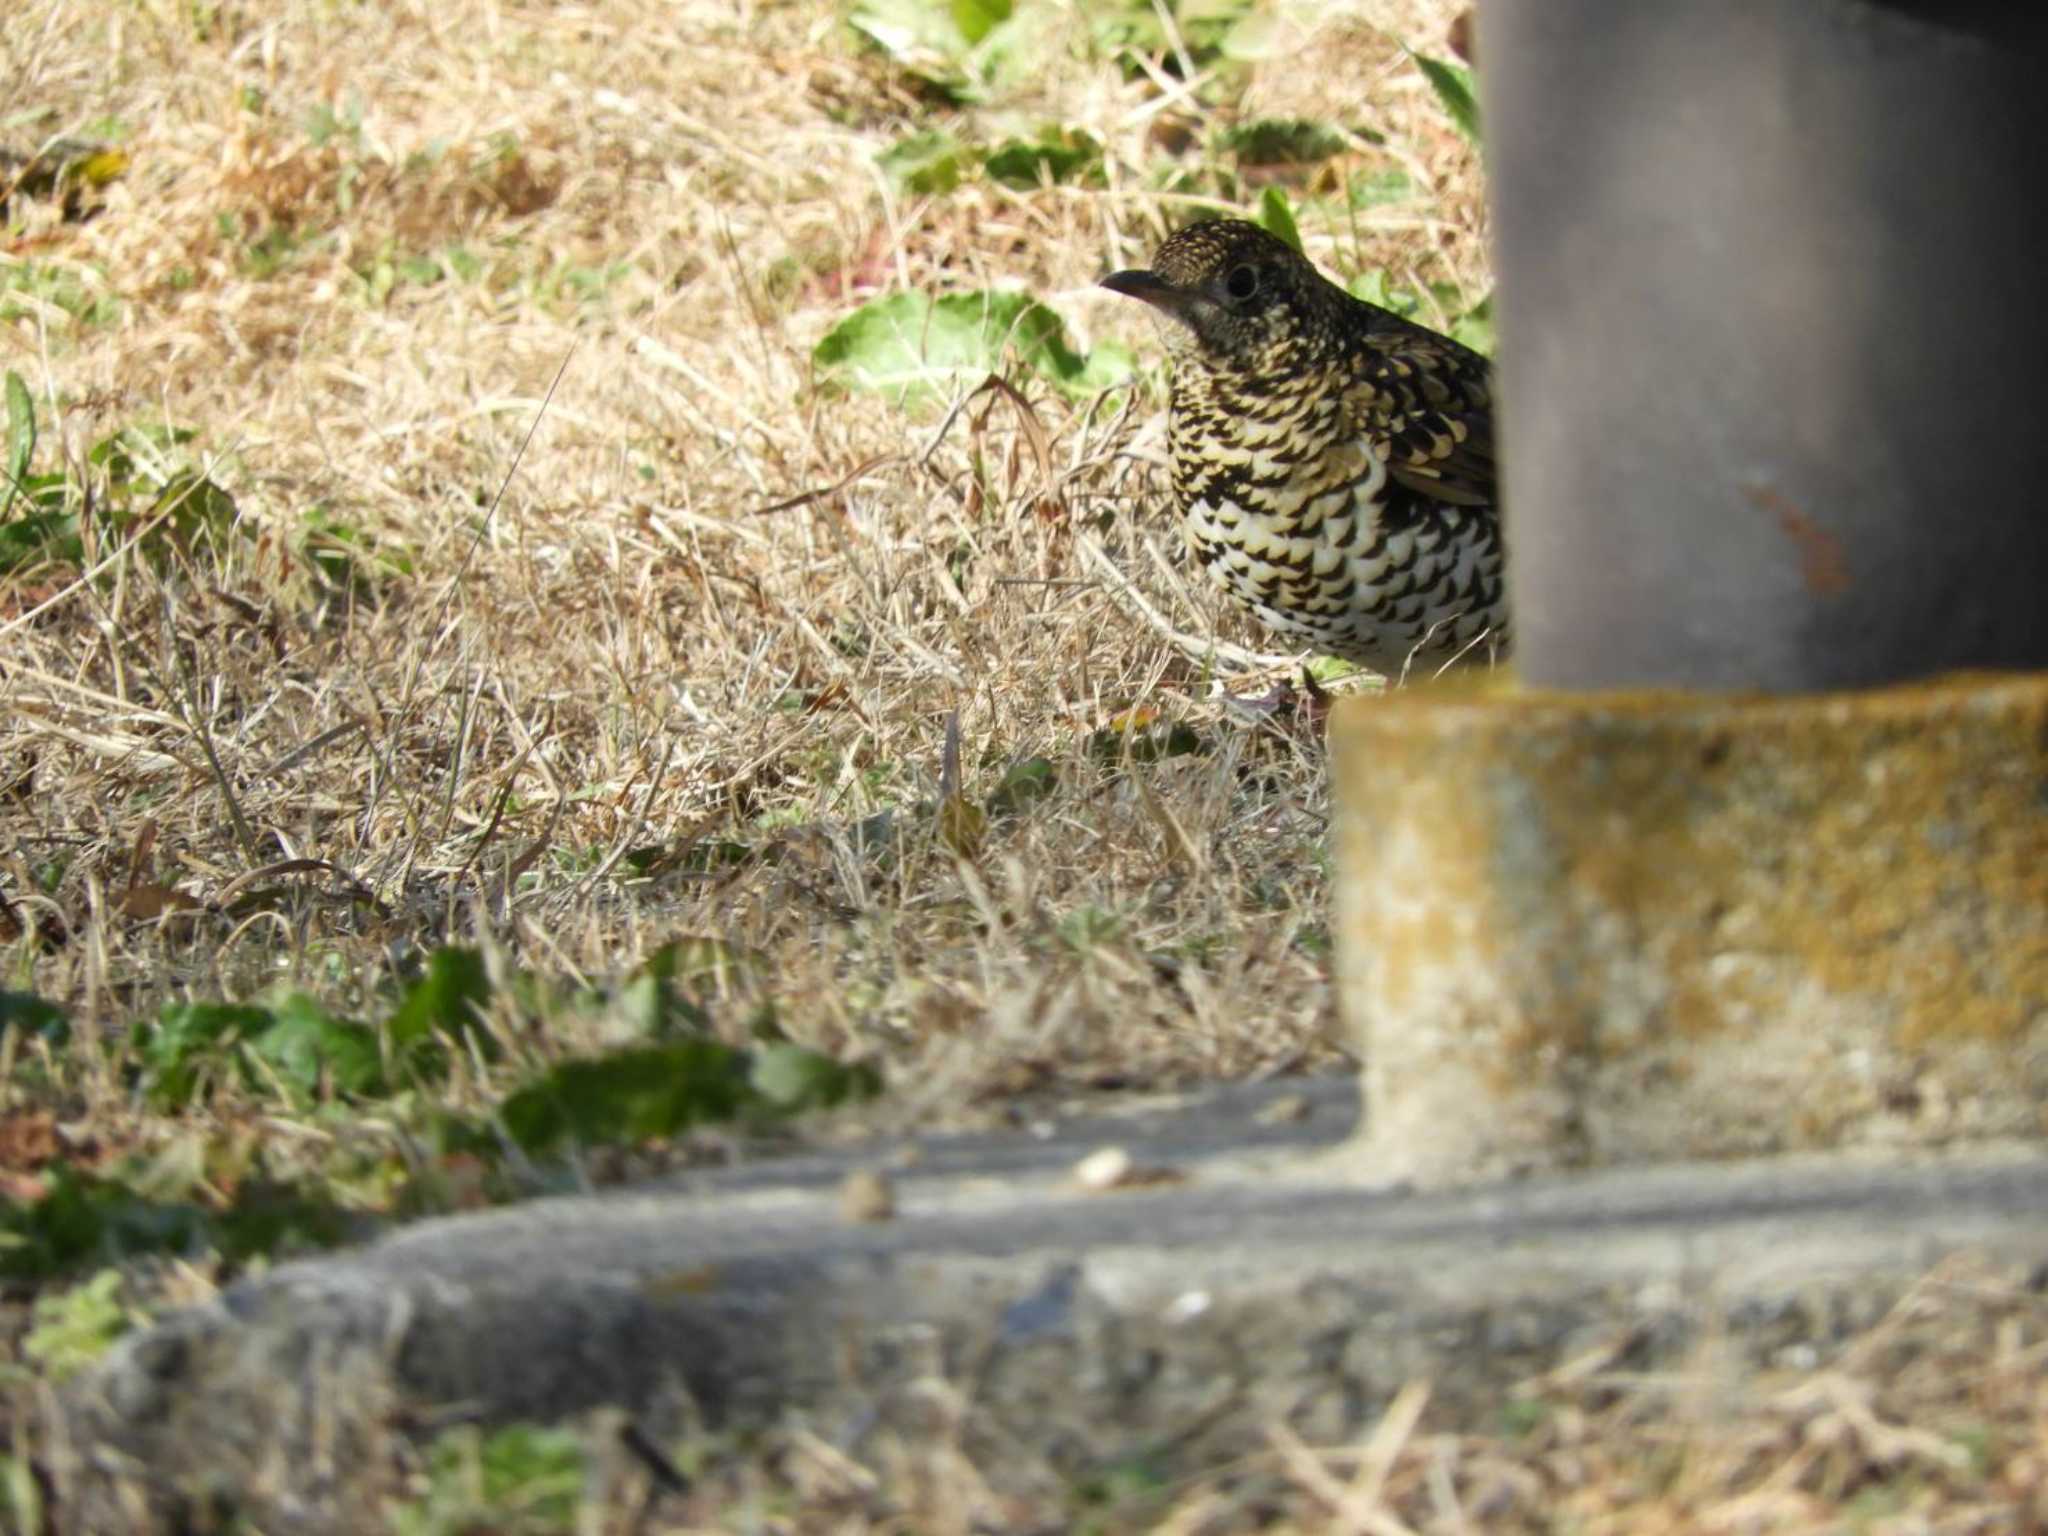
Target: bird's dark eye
1242	282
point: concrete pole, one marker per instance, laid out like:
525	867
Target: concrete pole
1774	337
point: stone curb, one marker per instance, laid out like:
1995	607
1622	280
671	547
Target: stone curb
1084	1327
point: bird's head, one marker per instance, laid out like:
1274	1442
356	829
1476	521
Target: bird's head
1235	295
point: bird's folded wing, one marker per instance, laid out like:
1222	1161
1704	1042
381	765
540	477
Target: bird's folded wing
1426	406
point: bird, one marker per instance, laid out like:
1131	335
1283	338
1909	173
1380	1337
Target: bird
1332	462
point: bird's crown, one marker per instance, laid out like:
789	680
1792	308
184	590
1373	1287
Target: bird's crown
1214	249
1235	292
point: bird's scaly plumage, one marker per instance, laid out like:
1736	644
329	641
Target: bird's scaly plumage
1332	461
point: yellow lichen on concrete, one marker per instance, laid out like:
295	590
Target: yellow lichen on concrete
1597	928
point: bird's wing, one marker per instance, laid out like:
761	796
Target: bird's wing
1426	404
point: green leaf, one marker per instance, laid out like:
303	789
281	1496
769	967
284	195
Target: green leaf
307	1046
46	532
710	855
1276	218
1205	29
701	962
1024	784
443	1004
297	1043
1475	327
270	1218
198	510
901	28
923	38
793	1078
28	1014
190	1038
74	1328
629	1096
926	163
1252	38
346	556
1374	288
82	1218
1144	736
1388	185
1055	155
522	1478
653	999
1453	86
21	437
1333	669
1283	141
977	18
913	346
1087	927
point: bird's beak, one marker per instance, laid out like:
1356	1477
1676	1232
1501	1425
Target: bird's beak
1151	288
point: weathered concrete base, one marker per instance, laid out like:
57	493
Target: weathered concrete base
1172	1322
1590	929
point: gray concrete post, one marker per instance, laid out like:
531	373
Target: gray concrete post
1774	322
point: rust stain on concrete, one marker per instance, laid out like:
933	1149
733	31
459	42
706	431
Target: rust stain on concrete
1823	562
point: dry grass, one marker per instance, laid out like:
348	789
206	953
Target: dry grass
665	207
601	615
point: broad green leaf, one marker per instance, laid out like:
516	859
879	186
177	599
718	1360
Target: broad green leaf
977	18
1283	141
1453	86
1025	783
1144	736
1207	30
522	1478
198	509
1374	288
1276	218
41	534
1088	926
269	1218
1334	669
343	555
698	963
1108	366
305	1046
1251	38
794	1078
1475	327
922	37
191	1038
913	346
901	28
444	1003
926	163
1390	185
629	1096
27	1014
82	1218
74	1328
1056	155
